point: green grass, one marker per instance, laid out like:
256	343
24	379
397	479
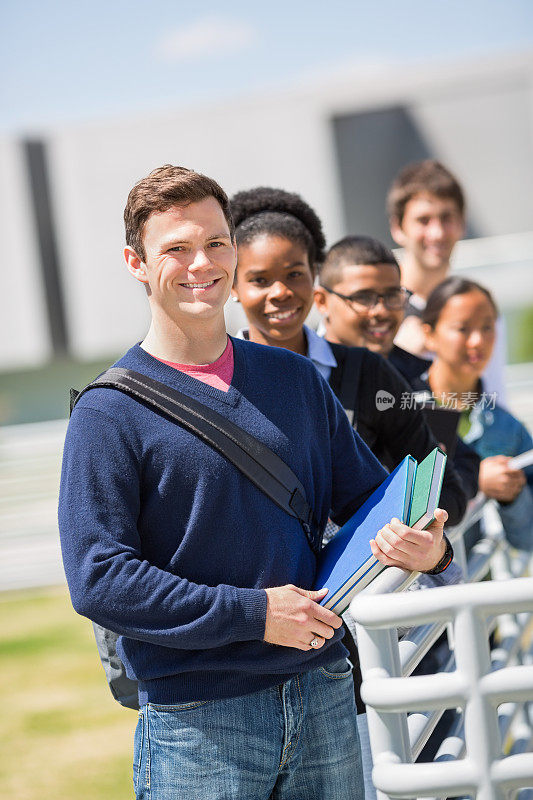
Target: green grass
63	736
42	393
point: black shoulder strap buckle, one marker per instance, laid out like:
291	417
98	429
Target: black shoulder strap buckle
74	394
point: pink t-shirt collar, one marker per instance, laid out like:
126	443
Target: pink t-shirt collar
219	374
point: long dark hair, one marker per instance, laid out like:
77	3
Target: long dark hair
449	288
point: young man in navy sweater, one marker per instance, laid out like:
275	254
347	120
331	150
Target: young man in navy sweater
244	687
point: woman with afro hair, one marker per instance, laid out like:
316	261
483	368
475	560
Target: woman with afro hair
280	245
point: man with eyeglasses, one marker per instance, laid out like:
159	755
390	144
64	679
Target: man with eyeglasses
362	301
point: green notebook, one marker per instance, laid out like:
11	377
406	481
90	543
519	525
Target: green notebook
426	489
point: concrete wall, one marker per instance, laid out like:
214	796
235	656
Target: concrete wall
477	118
24	336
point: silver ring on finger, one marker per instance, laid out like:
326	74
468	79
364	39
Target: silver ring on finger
314	642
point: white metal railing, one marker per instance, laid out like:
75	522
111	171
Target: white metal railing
493	690
30	462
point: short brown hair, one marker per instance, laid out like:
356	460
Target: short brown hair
164	188
423	176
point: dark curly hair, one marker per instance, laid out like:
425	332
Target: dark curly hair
275	212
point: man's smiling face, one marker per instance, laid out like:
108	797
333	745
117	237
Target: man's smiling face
190	261
430	229
351	324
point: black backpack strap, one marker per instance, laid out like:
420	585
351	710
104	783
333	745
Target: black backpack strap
344	378
258	462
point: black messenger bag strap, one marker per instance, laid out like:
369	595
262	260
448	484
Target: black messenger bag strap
257	461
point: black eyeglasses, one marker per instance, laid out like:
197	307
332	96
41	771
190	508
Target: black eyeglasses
394	299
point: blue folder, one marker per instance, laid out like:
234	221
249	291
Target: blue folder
346	564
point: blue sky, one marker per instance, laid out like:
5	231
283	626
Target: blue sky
66	61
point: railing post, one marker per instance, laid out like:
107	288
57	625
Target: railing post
487	691
380	654
480	715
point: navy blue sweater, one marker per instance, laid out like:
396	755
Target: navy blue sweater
168	544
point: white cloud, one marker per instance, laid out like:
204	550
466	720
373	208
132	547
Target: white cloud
207	37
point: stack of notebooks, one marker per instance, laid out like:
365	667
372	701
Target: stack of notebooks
411	494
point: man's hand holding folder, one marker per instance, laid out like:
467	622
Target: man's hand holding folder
294	616
305	619
397	545
398	525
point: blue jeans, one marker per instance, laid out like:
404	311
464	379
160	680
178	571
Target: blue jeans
295	741
366	756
